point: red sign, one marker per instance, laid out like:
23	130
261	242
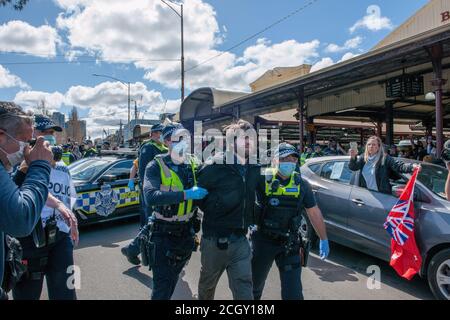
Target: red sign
445	16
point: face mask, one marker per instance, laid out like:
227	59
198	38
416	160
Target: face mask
286	168
51	139
18	156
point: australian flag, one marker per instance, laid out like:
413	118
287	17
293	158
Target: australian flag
405	255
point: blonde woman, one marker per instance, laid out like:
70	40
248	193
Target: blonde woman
376	167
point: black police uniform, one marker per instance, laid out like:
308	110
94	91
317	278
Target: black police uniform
277	236
171	242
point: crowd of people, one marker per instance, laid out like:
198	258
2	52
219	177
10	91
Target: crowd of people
248	220
415	149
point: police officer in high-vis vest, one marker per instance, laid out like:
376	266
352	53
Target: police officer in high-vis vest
91	151
282	195
67	156
305	155
149	149
170	189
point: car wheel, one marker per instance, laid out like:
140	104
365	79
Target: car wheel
439	275
306	229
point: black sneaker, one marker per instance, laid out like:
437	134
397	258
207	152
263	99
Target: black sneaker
131	259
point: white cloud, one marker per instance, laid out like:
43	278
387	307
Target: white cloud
105	103
31	99
19	36
110	93
8	80
372	21
348	56
138	30
324	63
348	45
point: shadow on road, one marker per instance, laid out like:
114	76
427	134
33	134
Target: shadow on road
329	272
182	290
135	273
352	262
111	233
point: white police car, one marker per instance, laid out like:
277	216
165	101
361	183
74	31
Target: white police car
102	188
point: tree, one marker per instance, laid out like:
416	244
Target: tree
17	4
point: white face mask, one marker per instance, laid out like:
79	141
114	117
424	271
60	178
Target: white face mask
18	156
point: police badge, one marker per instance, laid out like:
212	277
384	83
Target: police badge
106	201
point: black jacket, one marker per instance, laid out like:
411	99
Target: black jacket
386	168
230	203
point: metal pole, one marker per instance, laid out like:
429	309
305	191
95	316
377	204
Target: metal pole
301	103
436	58
135	111
389	109
182	54
129	112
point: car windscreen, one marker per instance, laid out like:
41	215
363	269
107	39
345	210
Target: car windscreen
77	163
88	169
433	177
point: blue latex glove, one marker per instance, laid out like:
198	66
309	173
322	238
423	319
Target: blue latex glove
324	249
131	184
195	193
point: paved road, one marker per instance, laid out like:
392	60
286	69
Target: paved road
105	273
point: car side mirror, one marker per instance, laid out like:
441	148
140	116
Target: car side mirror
107	179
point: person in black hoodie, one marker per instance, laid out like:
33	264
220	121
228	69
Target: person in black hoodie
228	212
376	167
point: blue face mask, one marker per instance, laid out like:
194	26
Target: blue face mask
286	168
51	139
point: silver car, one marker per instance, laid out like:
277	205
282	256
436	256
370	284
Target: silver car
355	216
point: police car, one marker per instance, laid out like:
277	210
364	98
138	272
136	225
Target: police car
101	184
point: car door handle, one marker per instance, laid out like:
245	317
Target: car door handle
358	202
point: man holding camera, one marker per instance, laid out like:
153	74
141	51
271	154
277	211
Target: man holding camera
21	206
48	251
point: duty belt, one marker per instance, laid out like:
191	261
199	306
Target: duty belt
276	235
171	228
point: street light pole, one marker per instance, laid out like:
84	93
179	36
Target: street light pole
129	108
181	15
182	54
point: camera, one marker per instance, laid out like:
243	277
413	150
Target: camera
57	153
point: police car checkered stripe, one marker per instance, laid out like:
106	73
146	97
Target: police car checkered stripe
86	201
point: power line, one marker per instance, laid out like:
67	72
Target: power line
79	61
310	3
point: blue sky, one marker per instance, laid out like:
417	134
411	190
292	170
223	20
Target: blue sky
125	37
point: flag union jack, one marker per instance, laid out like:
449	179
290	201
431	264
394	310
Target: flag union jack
399	223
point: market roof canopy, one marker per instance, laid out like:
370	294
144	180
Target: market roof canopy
201	102
356	83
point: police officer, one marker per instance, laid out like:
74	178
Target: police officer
147	153
305	155
317	151
90	150
170	187
67	156
281	197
